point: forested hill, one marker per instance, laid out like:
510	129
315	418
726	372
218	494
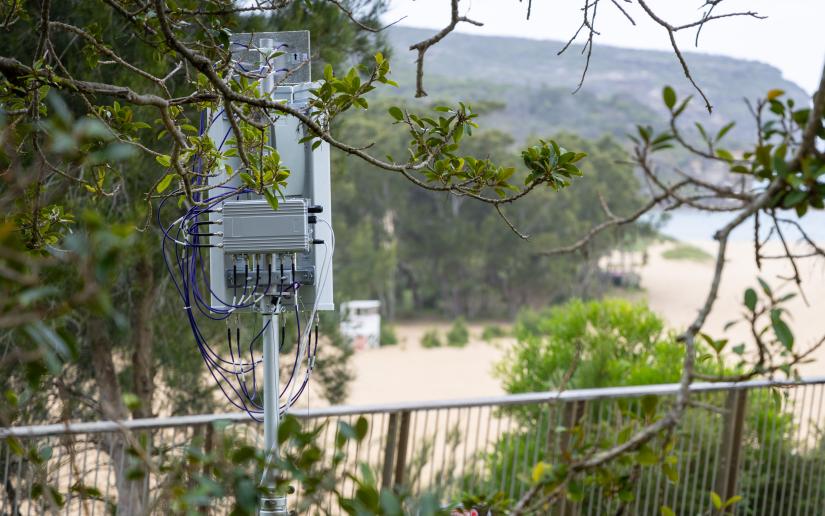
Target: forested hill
623	86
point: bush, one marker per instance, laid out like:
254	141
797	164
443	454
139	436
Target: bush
493	332
459	335
613	342
388	336
687	252
621	343
431	340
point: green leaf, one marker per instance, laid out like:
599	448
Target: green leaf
724	130
725	155
646	457
396	113
732	500
750	299
793	198
765	287
131	401
164	160
271	199
670	472
243	454
666	511
390	504
289	427
781	329
682	106
361	426
716	500
247	179
538	471
164	183
669	97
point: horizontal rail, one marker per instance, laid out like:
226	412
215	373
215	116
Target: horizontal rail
350	410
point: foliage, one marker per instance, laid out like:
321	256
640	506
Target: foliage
76	218
492	332
686	252
493	504
431	339
796	187
219	464
388	336
459	334
603	343
604	333
413	256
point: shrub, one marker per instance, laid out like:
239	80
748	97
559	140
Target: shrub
388	336
459	335
493	332
687	252
613	342
431	340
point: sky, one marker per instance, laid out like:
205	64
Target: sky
791	38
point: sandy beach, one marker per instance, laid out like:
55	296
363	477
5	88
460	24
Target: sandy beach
673	288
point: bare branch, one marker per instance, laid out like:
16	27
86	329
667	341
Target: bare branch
615	221
510	224
671	34
423	46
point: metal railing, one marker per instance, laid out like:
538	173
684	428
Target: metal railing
761	440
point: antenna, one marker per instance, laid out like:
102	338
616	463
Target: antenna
234	254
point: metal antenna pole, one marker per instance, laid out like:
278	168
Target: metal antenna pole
273	503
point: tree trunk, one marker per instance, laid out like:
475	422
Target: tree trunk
111	396
143	336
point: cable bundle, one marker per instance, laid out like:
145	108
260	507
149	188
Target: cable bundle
183	245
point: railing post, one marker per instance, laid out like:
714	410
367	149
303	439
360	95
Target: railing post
727	471
401	457
389	451
573	412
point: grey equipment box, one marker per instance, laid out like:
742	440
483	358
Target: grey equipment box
254	227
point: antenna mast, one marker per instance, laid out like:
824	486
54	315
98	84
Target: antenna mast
261	259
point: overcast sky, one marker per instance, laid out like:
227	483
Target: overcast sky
792	38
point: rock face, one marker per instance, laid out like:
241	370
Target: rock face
623	87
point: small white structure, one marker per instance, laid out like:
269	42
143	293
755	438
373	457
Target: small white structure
361	323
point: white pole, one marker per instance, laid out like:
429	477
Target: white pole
272	503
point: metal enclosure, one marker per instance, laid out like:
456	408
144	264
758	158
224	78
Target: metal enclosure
251	229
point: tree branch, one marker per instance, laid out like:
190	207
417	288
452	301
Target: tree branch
423	46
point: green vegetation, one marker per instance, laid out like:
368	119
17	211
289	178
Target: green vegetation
408	247
688	252
492	332
614	342
431	339
604	343
388	336
92	328
459	334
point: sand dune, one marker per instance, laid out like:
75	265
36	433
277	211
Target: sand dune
676	290
673	288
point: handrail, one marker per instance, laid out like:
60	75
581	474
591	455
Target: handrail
635	391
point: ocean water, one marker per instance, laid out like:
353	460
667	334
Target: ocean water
688	224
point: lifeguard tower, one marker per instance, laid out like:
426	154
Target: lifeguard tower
361	323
